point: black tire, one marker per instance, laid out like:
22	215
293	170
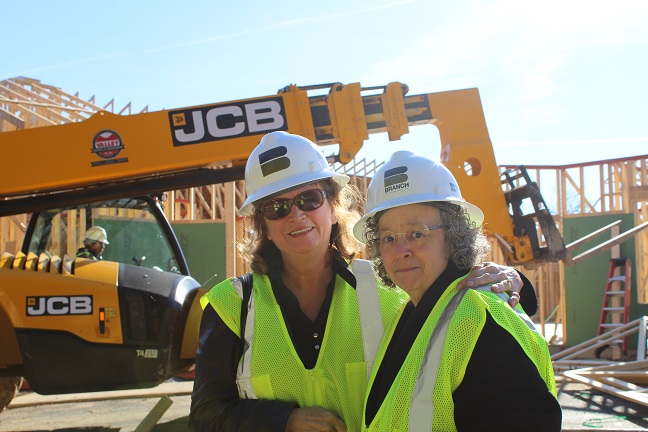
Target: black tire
9	387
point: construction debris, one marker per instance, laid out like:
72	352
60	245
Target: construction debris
627	380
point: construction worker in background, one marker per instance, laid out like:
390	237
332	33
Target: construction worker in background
440	367
94	242
287	347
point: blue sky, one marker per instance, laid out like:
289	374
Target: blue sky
561	81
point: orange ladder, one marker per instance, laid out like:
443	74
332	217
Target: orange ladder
612	299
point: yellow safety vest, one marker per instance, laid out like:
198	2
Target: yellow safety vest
338	381
421	398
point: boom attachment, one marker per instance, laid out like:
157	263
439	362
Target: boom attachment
527	241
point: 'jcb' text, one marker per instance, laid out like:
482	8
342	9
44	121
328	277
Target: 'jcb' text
218	122
59	305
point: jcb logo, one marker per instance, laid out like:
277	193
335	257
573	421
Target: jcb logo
59	305
217	122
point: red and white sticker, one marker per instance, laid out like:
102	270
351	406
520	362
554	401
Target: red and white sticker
107	144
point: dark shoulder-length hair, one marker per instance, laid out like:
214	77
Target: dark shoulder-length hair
263	254
466	241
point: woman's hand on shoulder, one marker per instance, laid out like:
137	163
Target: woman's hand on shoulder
314	419
500	278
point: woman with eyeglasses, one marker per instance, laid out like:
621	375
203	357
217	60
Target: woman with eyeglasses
444	365
289	346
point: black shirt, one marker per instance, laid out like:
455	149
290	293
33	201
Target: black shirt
305	334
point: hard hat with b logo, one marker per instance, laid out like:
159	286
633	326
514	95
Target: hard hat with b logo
409	178
97	234
284	161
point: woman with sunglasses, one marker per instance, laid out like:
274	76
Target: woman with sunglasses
292	349
441	368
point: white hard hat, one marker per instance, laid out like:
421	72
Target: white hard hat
409	178
283	161
97	234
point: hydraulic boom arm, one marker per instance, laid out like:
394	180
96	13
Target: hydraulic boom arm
111	156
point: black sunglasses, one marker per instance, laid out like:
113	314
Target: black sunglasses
279	208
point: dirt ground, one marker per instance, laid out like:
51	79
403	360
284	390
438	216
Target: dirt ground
584	409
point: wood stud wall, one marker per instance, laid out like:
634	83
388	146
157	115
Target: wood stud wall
611	186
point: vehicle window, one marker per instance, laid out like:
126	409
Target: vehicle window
133	234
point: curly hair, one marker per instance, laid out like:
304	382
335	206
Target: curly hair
263	254
467	243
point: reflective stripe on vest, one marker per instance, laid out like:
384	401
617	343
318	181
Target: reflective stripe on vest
244	370
422	405
371	323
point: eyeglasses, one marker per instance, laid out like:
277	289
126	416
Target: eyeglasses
279	208
414	236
